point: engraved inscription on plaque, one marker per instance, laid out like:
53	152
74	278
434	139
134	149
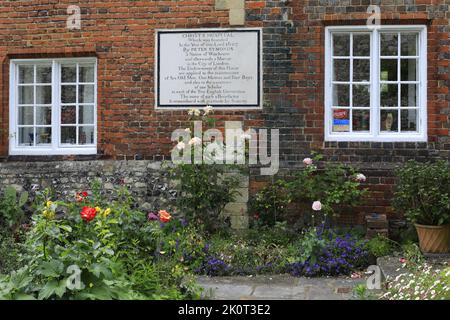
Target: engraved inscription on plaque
217	67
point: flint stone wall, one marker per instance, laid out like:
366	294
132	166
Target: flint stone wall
148	181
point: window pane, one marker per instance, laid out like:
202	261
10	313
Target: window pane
26	74
389	120
43	135
389	95
26	136
341	120
361	96
43	94
86	135
361	70
408	69
408	120
341	70
26	115
389	44
68	115
408	95
341	94
43	74
341	45
388	70
69	73
68	94
69	135
361	45
26	95
408	44
361	120
43	115
86	115
86	93
86	73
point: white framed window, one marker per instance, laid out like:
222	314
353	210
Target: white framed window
53	106
375	83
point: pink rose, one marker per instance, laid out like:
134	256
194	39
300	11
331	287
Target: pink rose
317	206
307	161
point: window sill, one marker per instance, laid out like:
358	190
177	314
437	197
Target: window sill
53	152
380	138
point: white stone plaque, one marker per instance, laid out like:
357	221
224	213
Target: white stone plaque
217	67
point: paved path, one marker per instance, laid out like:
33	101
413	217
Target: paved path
278	287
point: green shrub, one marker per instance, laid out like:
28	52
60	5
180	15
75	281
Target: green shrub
270	204
333	186
81	250
205	183
379	246
11	252
11	208
423	192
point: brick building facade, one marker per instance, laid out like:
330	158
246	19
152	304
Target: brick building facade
121	36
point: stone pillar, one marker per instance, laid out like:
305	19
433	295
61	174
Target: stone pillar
238	209
236	10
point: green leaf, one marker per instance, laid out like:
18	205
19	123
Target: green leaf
66	228
20	279
61	289
48	290
98	269
24	296
23	199
51	268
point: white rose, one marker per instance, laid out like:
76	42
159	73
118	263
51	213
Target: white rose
317	206
208	109
195	141
360	177
181	145
246	136
194	112
307	161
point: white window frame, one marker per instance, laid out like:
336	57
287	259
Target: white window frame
374	134
56	148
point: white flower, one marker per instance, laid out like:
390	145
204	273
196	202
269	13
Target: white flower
360	177
307	161
195	141
181	145
246	136
194	112
187	130
208	110
317	206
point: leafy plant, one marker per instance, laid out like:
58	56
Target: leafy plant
11	208
361	292
423	192
412	254
379	246
311	245
270	204
332	187
204	188
79	250
11	252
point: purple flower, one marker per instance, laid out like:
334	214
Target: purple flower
152	216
